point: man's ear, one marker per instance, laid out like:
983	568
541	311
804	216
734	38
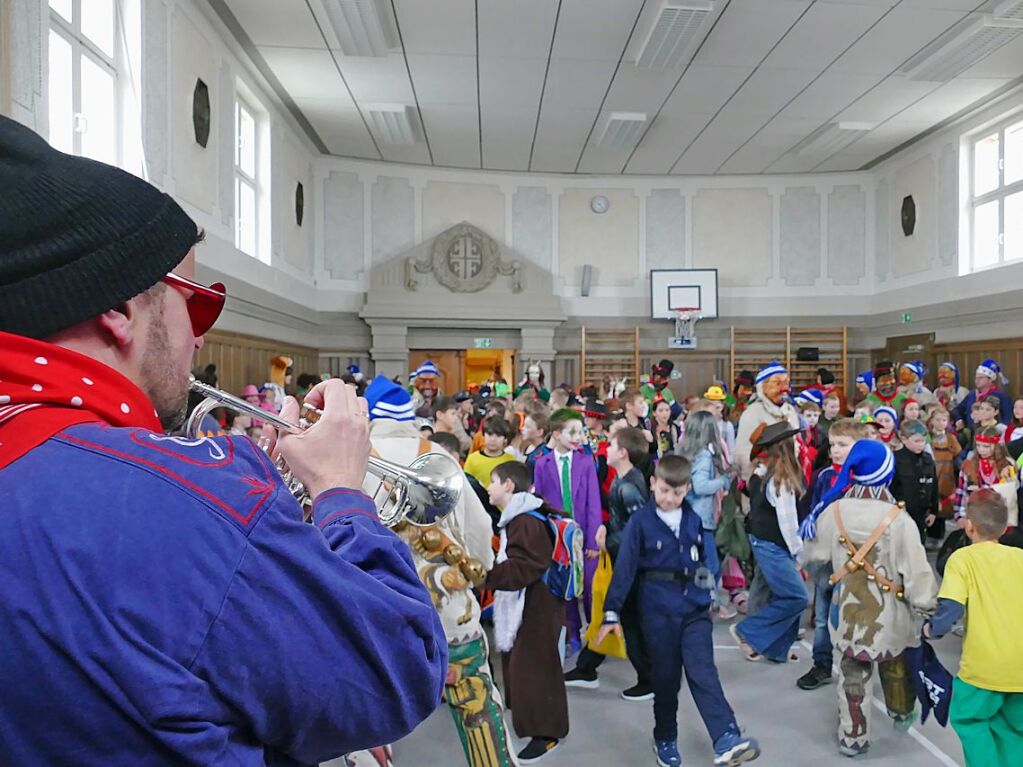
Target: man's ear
121	323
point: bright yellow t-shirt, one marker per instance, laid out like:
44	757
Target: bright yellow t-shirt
986	578
480	465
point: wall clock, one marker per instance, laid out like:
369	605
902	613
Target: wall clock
600	204
908	215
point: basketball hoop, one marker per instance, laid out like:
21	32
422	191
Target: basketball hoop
686	318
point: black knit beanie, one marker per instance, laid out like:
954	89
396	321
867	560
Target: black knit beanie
77	237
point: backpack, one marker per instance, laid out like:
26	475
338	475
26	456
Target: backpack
564	577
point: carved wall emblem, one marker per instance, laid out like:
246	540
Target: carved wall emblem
464	260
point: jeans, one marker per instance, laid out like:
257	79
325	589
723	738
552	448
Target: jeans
772	630
822	648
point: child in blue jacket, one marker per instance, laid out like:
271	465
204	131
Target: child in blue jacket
663	550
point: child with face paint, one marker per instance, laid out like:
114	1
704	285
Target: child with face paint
566	478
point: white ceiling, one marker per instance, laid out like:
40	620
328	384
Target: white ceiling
525	85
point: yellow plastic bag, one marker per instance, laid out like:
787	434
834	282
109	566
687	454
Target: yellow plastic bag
612	645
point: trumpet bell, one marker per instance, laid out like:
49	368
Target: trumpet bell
432	488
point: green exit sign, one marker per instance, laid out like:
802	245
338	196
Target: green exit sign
907	317
483	343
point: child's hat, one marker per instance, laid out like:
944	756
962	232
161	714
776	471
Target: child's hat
715	393
772	434
810	397
664	368
993	370
890	411
595	409
869	463
771	369
867	420
388	400
744	378
866	378
826	376
250	390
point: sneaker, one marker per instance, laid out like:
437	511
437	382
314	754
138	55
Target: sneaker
932	544
667	753
817	676
747	652
537	749
638	692
852	750
959	630
733	748
586	679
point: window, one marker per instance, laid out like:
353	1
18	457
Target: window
251	161
86	56
994	208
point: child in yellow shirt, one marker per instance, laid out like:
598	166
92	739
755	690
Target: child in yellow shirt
982	580
497	433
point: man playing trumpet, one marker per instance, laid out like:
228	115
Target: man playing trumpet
452	557
162	601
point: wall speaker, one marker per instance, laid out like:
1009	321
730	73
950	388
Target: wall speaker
587	279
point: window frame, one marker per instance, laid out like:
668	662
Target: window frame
999	194
116	65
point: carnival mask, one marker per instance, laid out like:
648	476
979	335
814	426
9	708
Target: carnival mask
906	376
776	388
886	385
427	386
946	377
533	374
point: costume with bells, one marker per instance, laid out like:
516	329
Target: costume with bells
451	558
879	590
657	386
769	405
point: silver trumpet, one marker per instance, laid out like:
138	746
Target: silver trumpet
422	493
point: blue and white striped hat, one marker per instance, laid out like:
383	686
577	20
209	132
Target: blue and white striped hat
869	463
890	411
867	379
916	367
388	400
810	395
993	370
771	369
427	368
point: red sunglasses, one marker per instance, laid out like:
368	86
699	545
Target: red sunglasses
204	304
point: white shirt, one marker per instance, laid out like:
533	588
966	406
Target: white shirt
672	518
561	460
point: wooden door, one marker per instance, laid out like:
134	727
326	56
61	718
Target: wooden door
448	362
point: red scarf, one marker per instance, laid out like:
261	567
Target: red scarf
988	471
887	440
45	388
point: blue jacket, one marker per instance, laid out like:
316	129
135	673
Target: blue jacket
649	545
706	483
163	603
962	413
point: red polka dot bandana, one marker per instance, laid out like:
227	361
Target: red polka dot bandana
46	388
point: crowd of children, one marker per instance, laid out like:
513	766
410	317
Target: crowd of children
756	500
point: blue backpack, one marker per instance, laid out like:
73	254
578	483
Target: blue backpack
564	577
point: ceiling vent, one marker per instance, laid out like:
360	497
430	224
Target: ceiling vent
393	123
832	138
1011	9
974	42
622	130
676	26
363	27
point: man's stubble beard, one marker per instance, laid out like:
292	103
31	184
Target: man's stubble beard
165	386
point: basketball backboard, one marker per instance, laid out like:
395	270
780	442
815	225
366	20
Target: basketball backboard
695	289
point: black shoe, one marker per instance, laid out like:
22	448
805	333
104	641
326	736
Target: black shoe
817	676
638	692
537	749
584	679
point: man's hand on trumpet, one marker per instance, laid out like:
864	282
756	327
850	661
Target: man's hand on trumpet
334	451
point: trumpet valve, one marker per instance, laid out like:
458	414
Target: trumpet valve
453	554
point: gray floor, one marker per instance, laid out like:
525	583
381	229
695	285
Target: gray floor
794	727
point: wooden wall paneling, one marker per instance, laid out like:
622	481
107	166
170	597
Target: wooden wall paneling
1008	352
447	361
242	359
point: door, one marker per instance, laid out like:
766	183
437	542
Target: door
482	365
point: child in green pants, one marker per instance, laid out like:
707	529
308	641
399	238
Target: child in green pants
983	580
